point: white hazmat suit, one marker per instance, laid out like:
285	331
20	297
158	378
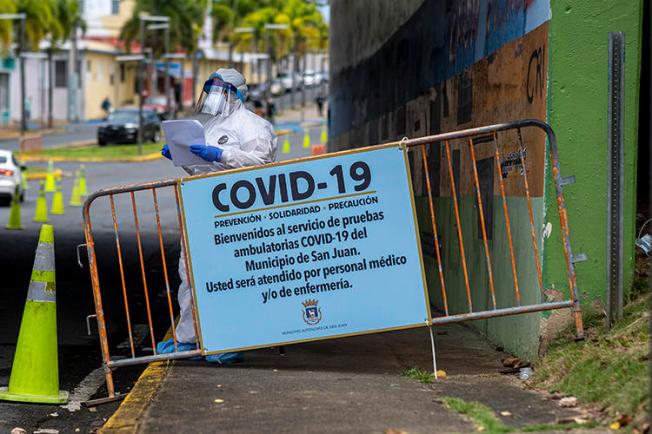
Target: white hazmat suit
246	140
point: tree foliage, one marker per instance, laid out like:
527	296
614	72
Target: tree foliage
186	21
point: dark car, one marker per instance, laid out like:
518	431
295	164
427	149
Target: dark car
122	127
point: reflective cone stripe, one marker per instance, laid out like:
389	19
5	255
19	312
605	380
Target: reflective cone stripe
41	212
35	370
286	146
83	192
57	202
306	139
14	213
324	136
50	183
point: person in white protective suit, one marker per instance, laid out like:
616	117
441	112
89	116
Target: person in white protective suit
235	137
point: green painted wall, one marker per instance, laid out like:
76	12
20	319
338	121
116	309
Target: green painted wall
517	334
577	108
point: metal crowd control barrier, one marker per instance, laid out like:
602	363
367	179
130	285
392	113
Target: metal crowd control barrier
419	145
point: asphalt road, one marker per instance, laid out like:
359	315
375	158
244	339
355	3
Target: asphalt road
79	353
73	133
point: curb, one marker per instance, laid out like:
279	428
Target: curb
43	175
16	134
138	159
129	414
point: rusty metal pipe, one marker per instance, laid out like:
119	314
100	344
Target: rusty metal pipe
459	225
482	222
508	227
122	276
506	311
434	229
113	364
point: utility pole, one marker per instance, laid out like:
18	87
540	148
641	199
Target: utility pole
268	28
141	85
141	71
168	107
166	28
23	120
303	88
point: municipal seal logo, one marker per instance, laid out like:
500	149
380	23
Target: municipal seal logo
222	140
311	312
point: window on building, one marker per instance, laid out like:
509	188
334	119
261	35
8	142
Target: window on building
123	73
60	73
115	7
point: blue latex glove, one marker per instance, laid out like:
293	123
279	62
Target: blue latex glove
165	151
208	153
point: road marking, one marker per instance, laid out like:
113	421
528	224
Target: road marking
87	388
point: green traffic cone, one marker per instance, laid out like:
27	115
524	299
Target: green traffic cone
57	202
41	213
50	183
83	192
75	197
14	213
324	136
306	140
286	146
35	370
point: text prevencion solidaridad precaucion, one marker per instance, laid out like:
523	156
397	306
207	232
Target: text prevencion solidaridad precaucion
335	230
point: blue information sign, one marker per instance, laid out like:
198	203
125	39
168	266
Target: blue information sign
306	250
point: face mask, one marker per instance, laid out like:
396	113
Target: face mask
218	98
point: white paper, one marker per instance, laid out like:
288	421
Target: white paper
180	134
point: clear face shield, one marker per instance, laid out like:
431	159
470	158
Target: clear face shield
218	98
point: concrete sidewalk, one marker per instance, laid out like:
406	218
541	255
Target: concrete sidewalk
345	385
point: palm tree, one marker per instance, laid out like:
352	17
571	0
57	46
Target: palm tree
186	22
66	18
306	23
6	27
39	19
226	16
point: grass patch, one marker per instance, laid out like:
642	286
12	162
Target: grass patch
425	377
108	152
487	422
610	369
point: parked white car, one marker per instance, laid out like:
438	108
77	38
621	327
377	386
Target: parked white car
11	173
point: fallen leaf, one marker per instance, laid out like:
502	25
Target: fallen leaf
55	414
480	428
505	413
614	426
77	430
440	373
219	401
18	430
510	361
92	409
394	431
624	420
569	401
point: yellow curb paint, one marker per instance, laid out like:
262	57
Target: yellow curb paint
128	416
37	176
137	159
